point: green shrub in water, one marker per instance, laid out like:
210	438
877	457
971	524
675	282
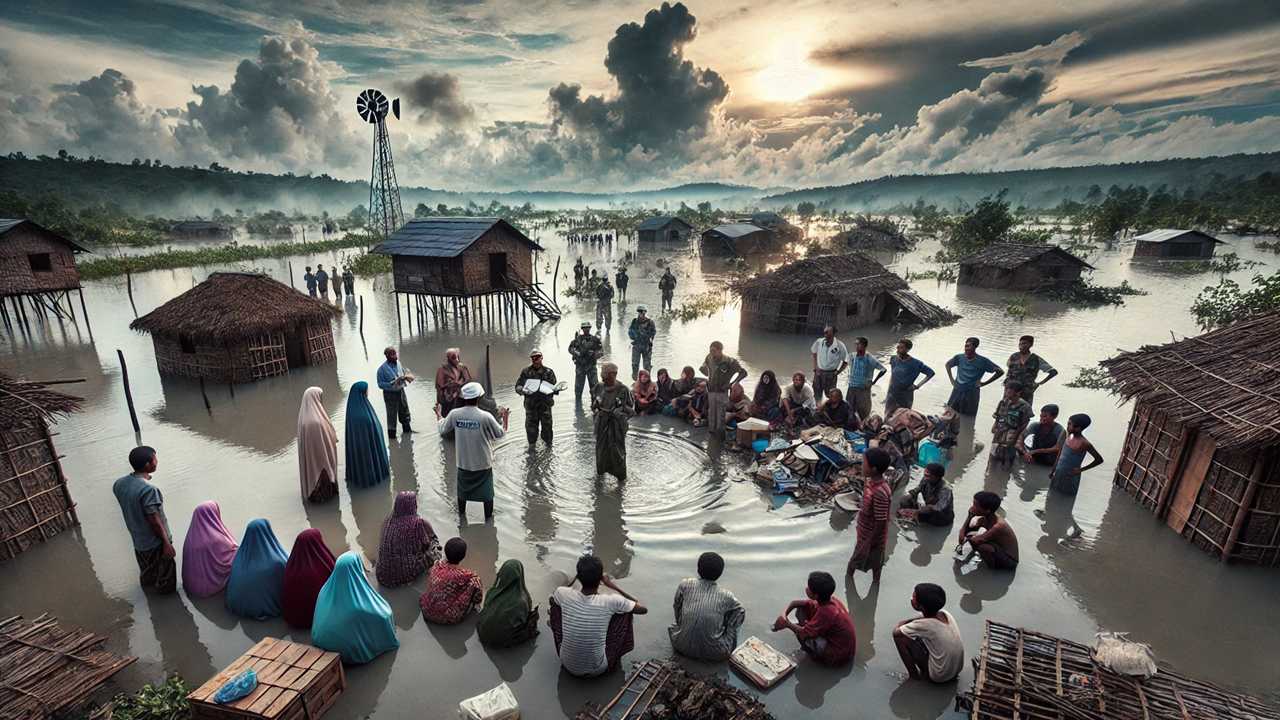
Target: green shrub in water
225	255
1016	307
167	702
1092	378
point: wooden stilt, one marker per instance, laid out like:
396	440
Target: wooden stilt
128	284
128	393
205	395
85	311
396	297
362	317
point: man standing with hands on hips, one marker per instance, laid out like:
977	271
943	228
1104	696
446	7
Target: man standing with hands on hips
392	378
829	359
723	372
641	332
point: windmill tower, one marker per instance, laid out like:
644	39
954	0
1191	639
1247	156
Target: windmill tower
385	214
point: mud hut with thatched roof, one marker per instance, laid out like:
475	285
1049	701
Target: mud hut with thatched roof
1201	450
237	327
35	503
664	229
1015	266
848	291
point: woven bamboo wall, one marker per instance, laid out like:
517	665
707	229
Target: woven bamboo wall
781	314
34	502
320	344
16	276
220	364
1152	444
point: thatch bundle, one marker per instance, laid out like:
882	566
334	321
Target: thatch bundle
22	402
1225	383
848	275
231	306
49	671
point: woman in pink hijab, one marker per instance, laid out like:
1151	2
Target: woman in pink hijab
207	552
317	448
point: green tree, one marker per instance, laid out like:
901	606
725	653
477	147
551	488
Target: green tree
1227	303
986	223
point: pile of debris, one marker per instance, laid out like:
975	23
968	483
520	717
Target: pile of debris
667	691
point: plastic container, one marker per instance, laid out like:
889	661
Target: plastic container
497	704
930	453
760	445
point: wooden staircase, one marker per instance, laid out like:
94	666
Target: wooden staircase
540	303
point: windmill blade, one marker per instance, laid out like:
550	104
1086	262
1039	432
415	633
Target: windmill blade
395	108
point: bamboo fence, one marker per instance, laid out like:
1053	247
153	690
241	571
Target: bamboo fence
45	669
1025	675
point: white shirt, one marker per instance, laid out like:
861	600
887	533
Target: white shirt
829	356
473	431
943	643
584	627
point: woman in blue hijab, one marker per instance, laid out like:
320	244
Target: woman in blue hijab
351	618
256	587
367	462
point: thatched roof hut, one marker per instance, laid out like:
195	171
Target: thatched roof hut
238	327
664	229
849	291
35	502
873	239
1201	447
1016	266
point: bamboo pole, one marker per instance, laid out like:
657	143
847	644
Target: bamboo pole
362	317
1242	512
85	311
128	393
128	284
295	287
205	395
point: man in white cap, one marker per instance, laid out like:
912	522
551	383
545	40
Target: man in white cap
537	404
473	431
585	350
641	333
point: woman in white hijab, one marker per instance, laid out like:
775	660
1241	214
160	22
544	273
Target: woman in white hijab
317	448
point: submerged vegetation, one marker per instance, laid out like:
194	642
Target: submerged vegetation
703	304
1087	294
229	253
370	264
167	702
1222	305
1225	263
1016	307
1092	378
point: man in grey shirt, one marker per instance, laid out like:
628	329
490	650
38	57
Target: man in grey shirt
473	432
143	509
707	615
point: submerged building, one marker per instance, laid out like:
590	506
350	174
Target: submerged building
664	229
38	265
848	291
1201	449
237	327
1014	266
1175	245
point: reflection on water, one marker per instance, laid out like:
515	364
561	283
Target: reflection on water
1080	556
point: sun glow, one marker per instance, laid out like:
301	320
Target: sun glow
790	77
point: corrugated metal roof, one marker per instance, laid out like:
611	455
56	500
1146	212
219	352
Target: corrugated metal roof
442	236
655	223
734	230
1165	235
7	225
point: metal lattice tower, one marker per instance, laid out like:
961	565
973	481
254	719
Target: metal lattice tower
385	214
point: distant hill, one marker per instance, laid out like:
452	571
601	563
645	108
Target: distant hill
186	191
189	191
1032	188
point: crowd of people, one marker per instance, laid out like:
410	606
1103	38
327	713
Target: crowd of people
318	282
309	587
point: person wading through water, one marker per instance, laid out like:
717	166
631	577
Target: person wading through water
473	431
613	407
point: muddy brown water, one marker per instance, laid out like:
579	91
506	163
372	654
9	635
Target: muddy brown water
1096	562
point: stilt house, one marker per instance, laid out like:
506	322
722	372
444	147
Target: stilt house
848	291
1014	266
664	229
1201	450
198	228
237	327
38	264
458	257
1175	245
35	503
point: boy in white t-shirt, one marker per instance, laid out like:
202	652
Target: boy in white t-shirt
592	631
930	644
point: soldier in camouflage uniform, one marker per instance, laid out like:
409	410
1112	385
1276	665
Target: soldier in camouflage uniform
604	304
667	284
537	405
585	351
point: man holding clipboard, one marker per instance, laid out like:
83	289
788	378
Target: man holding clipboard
537	383
392	378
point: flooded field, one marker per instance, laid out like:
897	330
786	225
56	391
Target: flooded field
1096	562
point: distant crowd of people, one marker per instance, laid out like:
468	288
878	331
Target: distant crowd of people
318	282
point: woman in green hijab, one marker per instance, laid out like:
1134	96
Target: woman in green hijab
509	616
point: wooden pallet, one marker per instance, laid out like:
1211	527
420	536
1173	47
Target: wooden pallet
295	682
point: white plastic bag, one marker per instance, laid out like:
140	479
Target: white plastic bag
497	704
1117	653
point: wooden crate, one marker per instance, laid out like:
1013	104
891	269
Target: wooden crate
295	682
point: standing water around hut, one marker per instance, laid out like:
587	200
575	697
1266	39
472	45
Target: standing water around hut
1096	561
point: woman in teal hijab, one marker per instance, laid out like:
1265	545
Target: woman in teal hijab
367	462
256	587
351	618
509	617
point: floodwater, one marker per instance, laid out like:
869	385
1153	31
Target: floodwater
1096	562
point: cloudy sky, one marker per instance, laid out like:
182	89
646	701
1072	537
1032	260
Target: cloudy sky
604	95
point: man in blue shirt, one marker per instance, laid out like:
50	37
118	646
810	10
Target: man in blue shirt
969	369
322	279
904	370
392	378
311	282
143	509
861	367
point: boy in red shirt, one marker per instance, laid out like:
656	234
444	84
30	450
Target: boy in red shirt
823	625
873	516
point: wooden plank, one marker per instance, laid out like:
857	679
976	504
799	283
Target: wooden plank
292	653
271	674
276	649
309	658
303	682
289	677
262	647
282	703
244	702
1190	480
265	700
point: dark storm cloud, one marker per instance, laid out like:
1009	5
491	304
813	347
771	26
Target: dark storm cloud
102	110
662	100
438	97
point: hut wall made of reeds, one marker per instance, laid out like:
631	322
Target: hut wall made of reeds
849	291
1010	266
35	503
1201	450
236	328
35	260
49	672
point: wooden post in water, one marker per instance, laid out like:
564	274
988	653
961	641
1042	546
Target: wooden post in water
128	284
128	393
85	311
488	373
362	317
554	278
205	395
295	287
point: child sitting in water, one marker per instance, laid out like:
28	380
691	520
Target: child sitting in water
1065	477
823	625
